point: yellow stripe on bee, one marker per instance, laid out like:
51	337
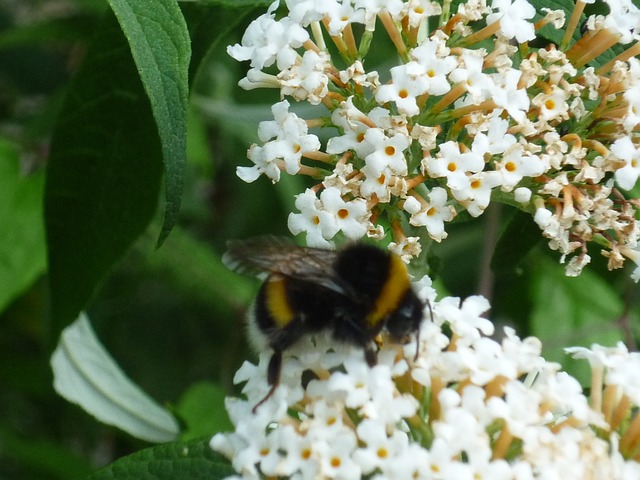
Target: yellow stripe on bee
393	291
277	302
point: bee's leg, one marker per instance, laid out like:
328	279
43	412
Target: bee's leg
273	376
370	355
273	370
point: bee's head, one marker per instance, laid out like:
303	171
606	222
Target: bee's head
406	319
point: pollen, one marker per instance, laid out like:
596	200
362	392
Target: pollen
343	213
431	212
264	452
510	167
296	148
382	452
305	454
418	10
331	421
336	462
476	184
403	93
550	104
360	137
431	73
315	220
381	179
452	167
390	150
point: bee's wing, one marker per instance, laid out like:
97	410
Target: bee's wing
262	256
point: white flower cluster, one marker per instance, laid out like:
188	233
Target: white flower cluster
466	117
467	407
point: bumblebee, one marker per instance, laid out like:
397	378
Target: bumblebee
355	292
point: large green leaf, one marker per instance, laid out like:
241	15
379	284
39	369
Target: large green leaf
172	461
22	250
85	374
123	116
516	241
160	45
201	408
573	311
41	458
549	31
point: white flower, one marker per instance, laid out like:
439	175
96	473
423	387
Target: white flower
380	449
435	65
625	150
408	248
553	105
454	165
341	14
513	19
319	224
306	80
350	217
388	152
478	84
419	10
634	255
431	214
623	19
522	194
476	197
517	163
262	165
496	140
338	460
267	40
377	183
290	134
507	95
258	79
408	81
465	319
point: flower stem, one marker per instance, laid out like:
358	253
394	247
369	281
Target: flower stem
573	23
480	35
633	51
394	34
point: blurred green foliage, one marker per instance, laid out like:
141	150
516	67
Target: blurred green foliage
173	317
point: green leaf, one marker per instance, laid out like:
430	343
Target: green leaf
239	3
193	267
66	29
517	240
573	311
549	31
103	175
41	458
173	461
22	247
85	374
202	409
160	45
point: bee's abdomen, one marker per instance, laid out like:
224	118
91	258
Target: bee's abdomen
277	302
378	278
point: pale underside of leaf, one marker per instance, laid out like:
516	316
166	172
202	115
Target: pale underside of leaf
85	374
